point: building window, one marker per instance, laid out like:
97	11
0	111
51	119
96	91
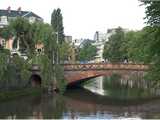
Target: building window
39	50
32	19
3	43
4	19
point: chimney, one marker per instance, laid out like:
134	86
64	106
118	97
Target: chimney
19	10
9	9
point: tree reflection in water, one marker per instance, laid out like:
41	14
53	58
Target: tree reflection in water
79	104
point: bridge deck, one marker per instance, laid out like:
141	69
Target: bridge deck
105	66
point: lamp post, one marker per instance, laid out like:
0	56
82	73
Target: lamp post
57	47
54	61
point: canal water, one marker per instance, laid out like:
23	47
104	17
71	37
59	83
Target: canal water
99	98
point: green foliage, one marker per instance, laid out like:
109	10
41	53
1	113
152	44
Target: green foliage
4	59
61	50
106	50
58	34
112	48
30	34
153	19
137	44
41	32
87	52
48	73
133	45
61	82
152	12
65	51
46	68
22	69
22	31
6	32
57	24
13	71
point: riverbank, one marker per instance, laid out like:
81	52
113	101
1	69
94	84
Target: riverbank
8	95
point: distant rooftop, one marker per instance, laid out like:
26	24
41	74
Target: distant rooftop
15	13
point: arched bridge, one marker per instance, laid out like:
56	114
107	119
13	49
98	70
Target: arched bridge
75	73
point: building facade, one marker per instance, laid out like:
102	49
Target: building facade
100	39
9	15
68	39
77	42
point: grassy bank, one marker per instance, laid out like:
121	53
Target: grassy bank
8	95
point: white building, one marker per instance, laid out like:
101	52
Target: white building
68	39
100	39
77	42
7	15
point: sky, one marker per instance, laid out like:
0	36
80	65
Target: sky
82	18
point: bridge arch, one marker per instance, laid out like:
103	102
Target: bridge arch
75	78
77	73
36	80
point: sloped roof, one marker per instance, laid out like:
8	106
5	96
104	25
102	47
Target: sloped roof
15	13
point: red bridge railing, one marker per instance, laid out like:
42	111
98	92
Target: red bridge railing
105	66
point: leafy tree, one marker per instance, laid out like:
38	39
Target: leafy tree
153	19
87	52
6	32
22	31
29	35
133	45
106	50
61	82
13	71
57	24
65	51
138	45
4	59
19	77
152	12
42	33
112	48
46	68
60	45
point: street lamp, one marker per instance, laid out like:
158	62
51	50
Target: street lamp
57	44
55	61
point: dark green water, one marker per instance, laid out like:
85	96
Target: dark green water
107	103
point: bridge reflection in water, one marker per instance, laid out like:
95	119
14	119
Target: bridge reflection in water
83	104
101	84
96	85
78	104
104	107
